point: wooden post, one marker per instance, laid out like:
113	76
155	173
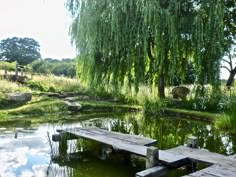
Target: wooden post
5	71
192	142
21	72
105	151
63	144
152	156
16	69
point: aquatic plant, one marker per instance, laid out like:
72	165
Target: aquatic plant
155	106
228	119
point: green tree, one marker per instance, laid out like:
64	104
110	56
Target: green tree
65	67
147	41
21	50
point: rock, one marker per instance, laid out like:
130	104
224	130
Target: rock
52	94
70	99
180	92
19	97
73	106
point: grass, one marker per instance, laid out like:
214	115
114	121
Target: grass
38	106
228	120
103	106
9	87
45	105
205	116
51	83
6	65
154	106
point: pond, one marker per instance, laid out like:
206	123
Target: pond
25	147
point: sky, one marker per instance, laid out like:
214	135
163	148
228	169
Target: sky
46	21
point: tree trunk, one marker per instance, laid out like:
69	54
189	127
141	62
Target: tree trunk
161	86
231	78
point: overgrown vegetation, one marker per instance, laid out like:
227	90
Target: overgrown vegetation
9	66
65	67
51	83
228	119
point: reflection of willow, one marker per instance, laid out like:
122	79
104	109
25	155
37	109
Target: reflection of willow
171	132
88	166
216	141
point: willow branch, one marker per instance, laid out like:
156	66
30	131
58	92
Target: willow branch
225	68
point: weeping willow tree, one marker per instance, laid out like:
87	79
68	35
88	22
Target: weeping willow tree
147	41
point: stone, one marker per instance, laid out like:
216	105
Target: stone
19	97
73	106
180	92
70	99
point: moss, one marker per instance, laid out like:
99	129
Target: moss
204	116
107	106
44	105
39	106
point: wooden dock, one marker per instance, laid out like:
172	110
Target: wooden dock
157	161
220	165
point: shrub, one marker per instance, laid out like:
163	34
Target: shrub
155	106
8	87
56	67
53	83
215	102
35	86
10	66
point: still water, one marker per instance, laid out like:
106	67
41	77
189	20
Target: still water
25	148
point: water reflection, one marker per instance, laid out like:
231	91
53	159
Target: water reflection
29	154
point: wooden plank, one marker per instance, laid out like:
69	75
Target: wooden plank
116	143
151	172
223	166
198	155
215	170
134	139
129	144
200	174
172	160
220	170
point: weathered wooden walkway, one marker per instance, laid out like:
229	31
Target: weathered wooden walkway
221	165
157	160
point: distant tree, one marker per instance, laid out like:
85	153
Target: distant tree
54	66
50	60
21	50
67	59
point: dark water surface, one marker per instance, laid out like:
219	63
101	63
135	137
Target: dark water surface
25	149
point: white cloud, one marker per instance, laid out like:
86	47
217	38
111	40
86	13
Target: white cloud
11	160
27	173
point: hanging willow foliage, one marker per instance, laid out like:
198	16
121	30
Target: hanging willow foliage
143	41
